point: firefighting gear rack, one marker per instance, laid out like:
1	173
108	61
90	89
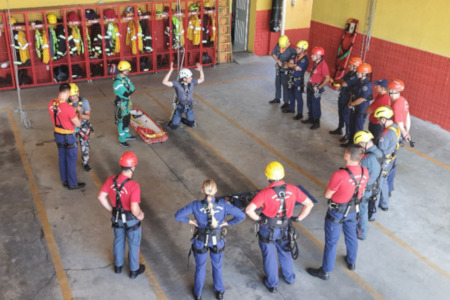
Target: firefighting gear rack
88	65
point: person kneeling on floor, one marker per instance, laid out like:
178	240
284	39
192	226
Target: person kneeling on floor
184	89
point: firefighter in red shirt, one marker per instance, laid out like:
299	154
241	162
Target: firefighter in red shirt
344	192
400	107
126	213
320	75
65	118
275	228
382	99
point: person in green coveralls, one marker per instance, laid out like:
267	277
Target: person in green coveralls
123	88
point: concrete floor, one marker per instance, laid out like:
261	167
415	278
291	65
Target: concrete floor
57	244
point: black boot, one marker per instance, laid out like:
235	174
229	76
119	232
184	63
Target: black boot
344	139
298	117
316	125
320	273
336	131
285	105
308	121
274	101
134	274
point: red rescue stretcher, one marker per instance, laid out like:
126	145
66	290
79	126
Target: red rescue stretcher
146	127
344	51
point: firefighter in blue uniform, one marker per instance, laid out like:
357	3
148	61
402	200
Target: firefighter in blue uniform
275	230
346	83
360	101
299	65
372	160
388	144
123	88
209	220
282	53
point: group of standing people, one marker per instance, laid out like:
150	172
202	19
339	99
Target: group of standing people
353	193
389	125
291	66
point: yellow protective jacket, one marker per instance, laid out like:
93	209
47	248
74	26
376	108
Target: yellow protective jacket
22	46
45	48
75	41
131	37
194	32
212	32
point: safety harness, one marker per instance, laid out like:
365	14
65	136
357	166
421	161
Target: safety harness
186	106
118	103
118	211
60	129
345	207
388	160
280	221
209	233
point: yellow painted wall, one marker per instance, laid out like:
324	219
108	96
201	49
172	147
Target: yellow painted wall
21	4
419	24
297	16
252	25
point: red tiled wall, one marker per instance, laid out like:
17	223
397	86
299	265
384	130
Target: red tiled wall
426	75
265	40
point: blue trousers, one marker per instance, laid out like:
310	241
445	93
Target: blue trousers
296	97
284	78
383	199
391	177
269	254
332	233
344	112
364	215
357	120
200	268
313	103
278	86
67	158
189	112
134	243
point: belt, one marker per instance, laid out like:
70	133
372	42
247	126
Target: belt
63	131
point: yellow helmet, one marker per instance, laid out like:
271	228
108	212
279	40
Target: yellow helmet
303	45
13	21
73	89
362	136
274	171
383	112
283	41
51	18
123	66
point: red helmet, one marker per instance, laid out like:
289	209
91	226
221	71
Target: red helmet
364	68
109	13
356	61
128	159
73	17
396	85
318	51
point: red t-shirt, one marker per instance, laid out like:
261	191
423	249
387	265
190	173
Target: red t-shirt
401	110
380	100
319	73
131	191
269	199
66	113
343	185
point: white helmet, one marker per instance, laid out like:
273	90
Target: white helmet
185	73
